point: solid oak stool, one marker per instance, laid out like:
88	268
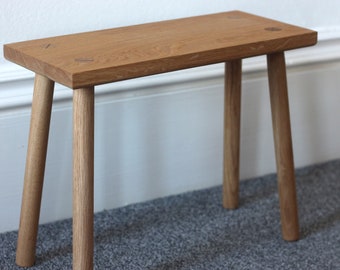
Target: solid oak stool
82	61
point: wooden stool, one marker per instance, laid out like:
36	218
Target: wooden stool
82	61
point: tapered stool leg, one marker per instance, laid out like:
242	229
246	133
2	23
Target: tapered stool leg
283	145
232	114
35	168
83	150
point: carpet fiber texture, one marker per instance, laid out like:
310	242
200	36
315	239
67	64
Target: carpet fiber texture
193	231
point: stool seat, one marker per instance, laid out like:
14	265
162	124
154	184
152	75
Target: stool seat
99	57
83	61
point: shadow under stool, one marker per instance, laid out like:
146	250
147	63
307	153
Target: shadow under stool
83	61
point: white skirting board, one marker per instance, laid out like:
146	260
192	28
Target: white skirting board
162	135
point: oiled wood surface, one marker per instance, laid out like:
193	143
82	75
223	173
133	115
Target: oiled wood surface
35	169
283	146
232	126
83	175
92	58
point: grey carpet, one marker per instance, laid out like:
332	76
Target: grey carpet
193	231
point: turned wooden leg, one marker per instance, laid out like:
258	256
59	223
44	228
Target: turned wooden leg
283	145
83	150
35	168
232	114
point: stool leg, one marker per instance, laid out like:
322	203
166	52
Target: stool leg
232	114
35	168
83	150
283	145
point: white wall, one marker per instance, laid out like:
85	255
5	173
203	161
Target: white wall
162	134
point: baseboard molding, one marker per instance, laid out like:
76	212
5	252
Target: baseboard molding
15	80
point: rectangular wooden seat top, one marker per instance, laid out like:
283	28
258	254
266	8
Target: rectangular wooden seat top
98	57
